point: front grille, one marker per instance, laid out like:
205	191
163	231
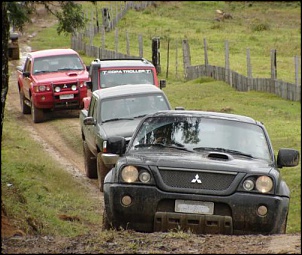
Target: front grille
197	179
65	86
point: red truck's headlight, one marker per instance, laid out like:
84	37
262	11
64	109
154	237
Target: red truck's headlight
41	88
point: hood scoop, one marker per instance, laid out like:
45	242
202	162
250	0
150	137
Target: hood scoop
72	74
219	156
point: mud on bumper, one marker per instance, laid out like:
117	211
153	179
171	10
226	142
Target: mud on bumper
198	224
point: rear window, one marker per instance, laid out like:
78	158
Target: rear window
117	77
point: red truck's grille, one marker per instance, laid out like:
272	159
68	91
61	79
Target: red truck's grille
65	86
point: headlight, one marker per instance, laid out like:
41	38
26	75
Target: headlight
57	89
264	184
74	87
42	88
129	174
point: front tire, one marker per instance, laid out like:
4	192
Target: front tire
102	170
90	162
283	226
105	223
37	114
24	107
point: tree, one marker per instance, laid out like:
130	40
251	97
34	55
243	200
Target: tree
16	15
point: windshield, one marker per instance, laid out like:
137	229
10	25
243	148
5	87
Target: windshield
57	63
204	134
132	106
112	78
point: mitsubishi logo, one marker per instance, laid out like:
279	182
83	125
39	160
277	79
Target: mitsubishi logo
64	86
196	179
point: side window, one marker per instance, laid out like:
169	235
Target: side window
27	65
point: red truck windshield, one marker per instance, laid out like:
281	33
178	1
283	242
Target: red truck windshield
57	63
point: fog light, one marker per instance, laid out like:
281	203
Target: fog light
126	200
74	87
43	98
57	89
262	210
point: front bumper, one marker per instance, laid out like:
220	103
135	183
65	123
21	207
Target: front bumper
153	210
49	100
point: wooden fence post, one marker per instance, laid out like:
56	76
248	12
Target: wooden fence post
103	41
249	69
297	68
116	42
168	54
206	60
273	64
127	43
140	44
227	64
186	56
248	64
176	58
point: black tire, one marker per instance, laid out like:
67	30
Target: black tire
283	226
102	170
37	114
105	223
24	107
90	162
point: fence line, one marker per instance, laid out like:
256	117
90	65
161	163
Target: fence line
240	82
283	89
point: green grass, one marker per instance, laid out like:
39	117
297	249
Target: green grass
44	189
36	190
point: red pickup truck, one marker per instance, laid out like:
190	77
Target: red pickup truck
53	79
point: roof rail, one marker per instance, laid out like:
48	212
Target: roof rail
138	58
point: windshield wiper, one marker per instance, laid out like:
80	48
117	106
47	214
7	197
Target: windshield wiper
223	150
115	119
140	116
142	145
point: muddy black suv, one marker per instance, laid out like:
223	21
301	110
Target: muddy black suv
204	172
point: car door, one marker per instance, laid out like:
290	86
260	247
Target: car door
90	130
27	80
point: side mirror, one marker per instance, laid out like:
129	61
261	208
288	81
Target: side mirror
116	145
162	84
288	158
26	74
89	121
89	84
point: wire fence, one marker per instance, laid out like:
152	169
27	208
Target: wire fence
176	60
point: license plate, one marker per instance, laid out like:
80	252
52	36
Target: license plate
188	206
68	96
